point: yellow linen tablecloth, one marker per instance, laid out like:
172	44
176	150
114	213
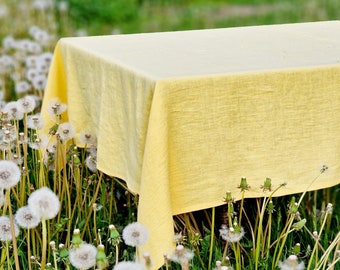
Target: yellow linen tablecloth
182	116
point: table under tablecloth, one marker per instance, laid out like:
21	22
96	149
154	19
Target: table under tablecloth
182	116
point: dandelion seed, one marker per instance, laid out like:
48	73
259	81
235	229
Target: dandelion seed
291	263
5	229
26	104
182	254
9	174
230	234
65	131
44	203
83	257
25	218
128	266
135	234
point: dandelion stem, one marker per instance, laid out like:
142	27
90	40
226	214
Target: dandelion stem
14	240
44	244
212	236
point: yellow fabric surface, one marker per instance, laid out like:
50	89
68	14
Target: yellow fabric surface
182	116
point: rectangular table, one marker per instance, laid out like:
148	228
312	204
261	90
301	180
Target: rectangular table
182	116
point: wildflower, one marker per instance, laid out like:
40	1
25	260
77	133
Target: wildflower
128	266
25	218
39	82
83	257
35	121
299	225
39	143
55	107
26	104
267	185
13	111
65	131
329	208
5	229
91	163
22	87
76	238
44	203
9	174
114	235
147	259
87	138
135	234
101	259
230	234
182	255
244	185
179	238
291	263
219	266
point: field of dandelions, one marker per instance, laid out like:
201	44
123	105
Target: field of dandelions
76	217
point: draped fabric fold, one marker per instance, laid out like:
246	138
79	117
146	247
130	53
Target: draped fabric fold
182	116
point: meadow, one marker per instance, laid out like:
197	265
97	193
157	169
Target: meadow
59	212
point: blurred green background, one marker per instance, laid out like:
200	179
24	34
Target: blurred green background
131	16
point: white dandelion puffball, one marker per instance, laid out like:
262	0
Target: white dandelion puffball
84	256
9	174
66	131
44	203
26	104
291	263
25	218
135	234
128	266
5	229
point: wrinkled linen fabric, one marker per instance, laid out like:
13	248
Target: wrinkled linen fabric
182	116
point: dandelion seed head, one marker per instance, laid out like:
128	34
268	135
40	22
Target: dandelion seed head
230	234
182	254
35	121
91	163
22	87
87	138
135	234
83	257
9	174
11	108
25	218
66	131
39	143
128	266
44	203
291	263
56	107
5	229
26	104
329	208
